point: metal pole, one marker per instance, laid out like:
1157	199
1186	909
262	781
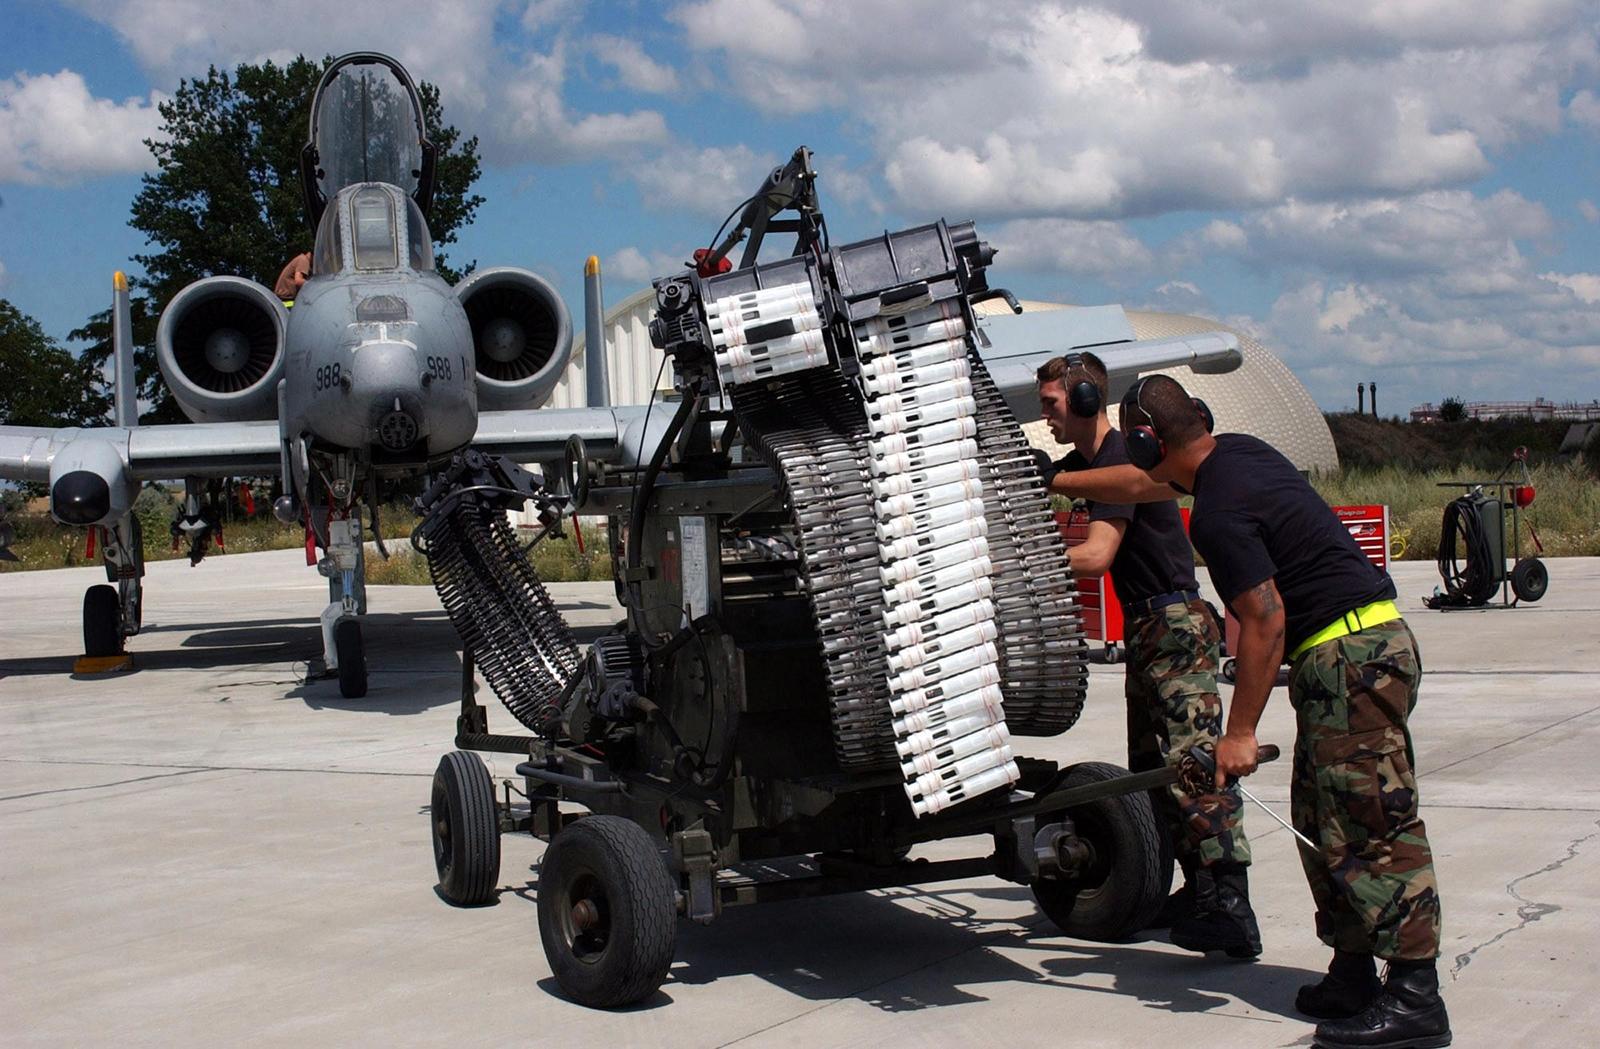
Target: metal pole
596	383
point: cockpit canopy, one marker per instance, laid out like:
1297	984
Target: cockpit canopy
366	126
372	226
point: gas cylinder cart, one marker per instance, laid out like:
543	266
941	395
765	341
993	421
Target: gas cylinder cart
846	601
1481	533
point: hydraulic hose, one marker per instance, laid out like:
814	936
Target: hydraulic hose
1469	581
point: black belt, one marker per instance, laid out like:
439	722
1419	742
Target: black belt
1138	609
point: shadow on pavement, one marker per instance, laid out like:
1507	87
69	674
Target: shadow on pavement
904	950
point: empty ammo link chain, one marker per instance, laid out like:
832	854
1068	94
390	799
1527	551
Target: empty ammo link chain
502	611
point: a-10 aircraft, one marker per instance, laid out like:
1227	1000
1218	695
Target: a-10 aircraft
381	369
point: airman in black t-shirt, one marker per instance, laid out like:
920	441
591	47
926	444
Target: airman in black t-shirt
1172	640
1303	592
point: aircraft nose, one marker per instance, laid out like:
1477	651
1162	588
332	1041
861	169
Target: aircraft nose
80	498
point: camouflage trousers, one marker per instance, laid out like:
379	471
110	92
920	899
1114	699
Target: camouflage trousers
1355	794
1171	688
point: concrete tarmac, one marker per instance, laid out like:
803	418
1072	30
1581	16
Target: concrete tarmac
213	850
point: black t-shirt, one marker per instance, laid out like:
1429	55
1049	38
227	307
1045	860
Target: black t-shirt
1255	518
1154	557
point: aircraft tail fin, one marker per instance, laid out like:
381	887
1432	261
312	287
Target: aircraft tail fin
125	404
596	382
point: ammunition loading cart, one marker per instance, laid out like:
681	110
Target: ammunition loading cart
845	596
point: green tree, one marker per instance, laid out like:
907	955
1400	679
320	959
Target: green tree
226	197
44	384
1452	410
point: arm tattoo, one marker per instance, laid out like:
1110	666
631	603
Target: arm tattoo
1267	594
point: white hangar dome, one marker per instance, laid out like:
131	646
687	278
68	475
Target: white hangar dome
1262	397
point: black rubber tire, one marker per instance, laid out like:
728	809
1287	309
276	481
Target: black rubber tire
102	621
1529	579
352	658
1121	893
615	865
1230	670
466	830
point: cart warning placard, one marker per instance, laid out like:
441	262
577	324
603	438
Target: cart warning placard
696	578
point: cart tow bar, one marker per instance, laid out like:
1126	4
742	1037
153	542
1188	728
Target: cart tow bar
1206	760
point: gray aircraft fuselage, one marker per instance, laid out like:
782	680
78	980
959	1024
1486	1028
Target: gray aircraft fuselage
380	357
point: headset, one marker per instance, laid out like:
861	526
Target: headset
1146	449
1083	396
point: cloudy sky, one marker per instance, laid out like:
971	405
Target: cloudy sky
1401	191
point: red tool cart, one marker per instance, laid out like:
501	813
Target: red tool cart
1102	611
1369	526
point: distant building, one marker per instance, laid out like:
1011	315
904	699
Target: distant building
1539	410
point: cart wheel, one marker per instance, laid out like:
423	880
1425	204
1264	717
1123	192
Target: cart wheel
1529	579
607	912
102	621
352	658
1113	653
1124	887
466	830
1230	670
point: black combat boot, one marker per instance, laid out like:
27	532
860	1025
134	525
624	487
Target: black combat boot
1222	920
1180	904
1350	986
1407	1014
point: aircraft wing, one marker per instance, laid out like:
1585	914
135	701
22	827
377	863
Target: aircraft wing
1013	347
150	453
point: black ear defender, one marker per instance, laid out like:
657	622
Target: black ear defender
1083	396
1145	447
1205	414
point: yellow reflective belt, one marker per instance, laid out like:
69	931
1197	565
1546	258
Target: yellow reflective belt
1363	617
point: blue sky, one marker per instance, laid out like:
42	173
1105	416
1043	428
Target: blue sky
1400	191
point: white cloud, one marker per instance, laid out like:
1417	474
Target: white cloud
5	278
1587	209
1030	107
53	131
1105	250
633	266
534	124
515	100
1585	286
705	181
633	67
1584	110
1438	231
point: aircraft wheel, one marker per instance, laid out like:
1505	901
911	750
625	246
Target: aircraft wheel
1113	653
608	914
1124	886
466	830
1230	670
352	658
102	621
1529	579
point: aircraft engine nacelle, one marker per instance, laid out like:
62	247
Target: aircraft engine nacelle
220	347
89	483
521	336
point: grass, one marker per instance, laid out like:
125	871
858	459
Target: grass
556	561
1566	511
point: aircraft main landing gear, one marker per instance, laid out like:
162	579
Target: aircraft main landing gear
352	655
